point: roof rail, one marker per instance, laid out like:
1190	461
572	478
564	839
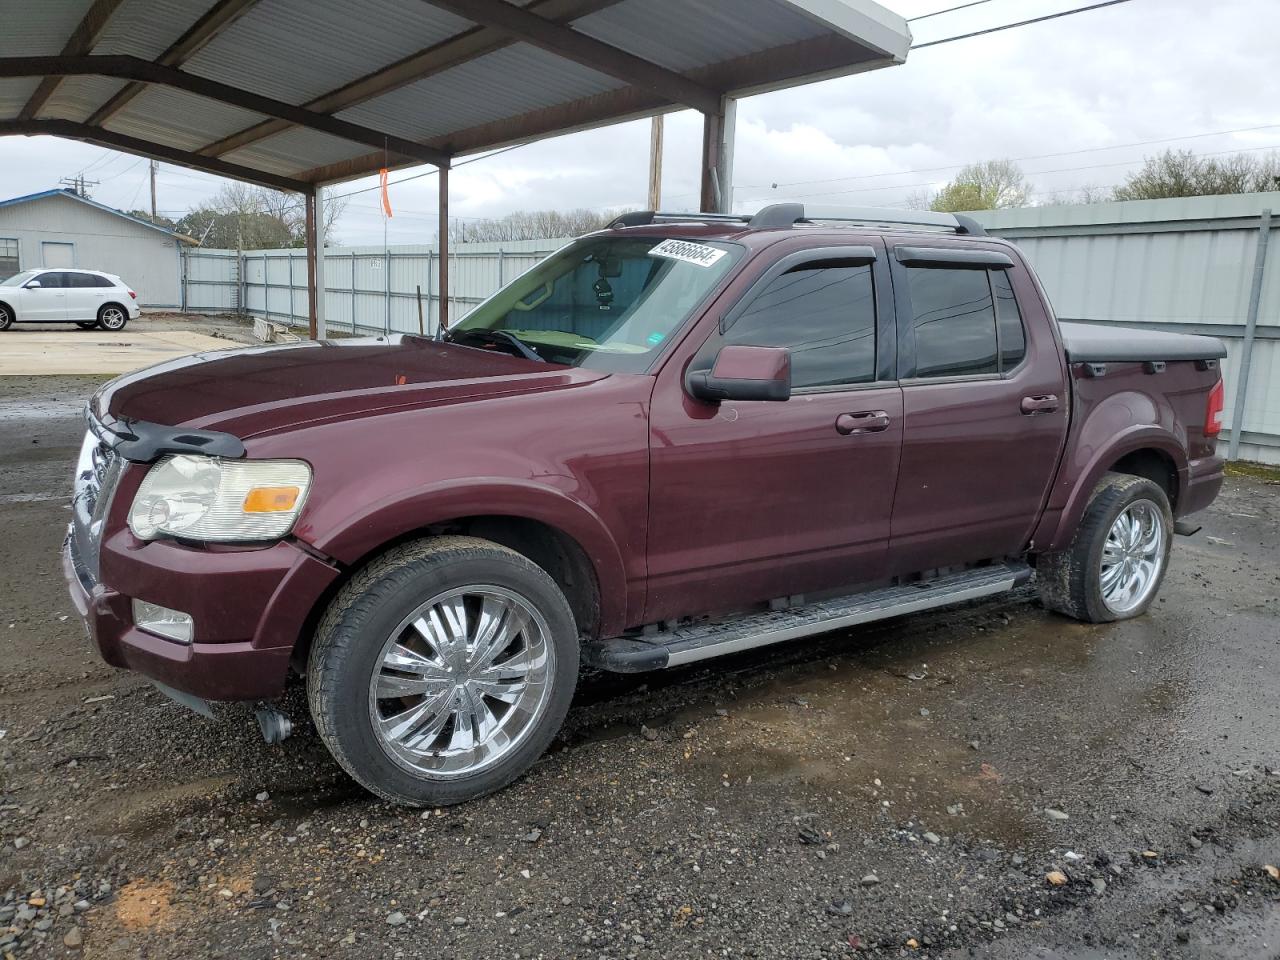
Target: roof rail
640	218
786	214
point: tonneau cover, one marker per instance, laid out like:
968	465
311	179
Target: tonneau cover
1095	343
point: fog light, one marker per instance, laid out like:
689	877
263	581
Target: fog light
163	622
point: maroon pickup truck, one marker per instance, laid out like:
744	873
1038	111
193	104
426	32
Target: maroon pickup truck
681	437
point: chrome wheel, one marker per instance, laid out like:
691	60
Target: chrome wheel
1132	557
112	318
461	681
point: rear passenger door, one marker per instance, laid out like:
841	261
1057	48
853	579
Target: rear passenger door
86	292
985	404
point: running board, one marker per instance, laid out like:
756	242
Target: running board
714	638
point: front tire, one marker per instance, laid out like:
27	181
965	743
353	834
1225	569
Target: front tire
443	670
112	317
6	317
1115	563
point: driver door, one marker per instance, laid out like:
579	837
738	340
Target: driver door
755	500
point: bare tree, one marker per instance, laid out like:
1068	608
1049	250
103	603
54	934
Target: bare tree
531	225
1181	173
990	185
252	217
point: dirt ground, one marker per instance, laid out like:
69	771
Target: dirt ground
900	790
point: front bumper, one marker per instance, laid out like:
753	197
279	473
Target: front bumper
249	606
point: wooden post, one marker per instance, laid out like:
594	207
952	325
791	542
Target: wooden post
655	163
312	295
444	248
421	331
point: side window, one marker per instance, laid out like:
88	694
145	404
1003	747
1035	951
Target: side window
50	280
104	282
8	258
79	280
1013	339
953	321
825	312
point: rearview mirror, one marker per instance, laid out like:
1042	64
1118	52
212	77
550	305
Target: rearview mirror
743	372
31	285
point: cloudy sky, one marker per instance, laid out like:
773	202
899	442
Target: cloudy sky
1077	101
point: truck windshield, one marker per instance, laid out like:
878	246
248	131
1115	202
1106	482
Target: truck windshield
607	303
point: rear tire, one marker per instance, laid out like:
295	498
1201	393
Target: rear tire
113	317
87	324
1115	563
443	670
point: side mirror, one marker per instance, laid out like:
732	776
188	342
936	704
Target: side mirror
32	284
744	373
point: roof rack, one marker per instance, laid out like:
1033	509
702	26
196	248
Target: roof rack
787	214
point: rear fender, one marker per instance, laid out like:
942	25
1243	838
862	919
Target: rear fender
388	521
1105	443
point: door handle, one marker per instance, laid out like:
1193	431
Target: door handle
1047	403
864	421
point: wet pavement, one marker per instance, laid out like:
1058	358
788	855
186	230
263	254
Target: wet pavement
899	790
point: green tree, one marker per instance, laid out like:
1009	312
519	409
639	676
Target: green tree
244	216
1180	173
989	185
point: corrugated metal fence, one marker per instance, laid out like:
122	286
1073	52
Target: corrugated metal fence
1185	265
367	289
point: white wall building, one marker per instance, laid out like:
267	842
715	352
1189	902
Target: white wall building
59	228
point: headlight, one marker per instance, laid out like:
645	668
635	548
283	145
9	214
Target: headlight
207	498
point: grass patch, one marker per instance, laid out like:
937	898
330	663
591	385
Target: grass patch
1258	471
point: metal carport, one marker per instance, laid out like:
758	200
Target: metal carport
299	94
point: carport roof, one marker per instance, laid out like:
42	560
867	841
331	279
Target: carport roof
292	93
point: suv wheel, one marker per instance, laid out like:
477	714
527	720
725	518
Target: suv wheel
112	317
6	317
1115	564
442	671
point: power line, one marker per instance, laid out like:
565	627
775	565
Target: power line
1037	156
428	173
1031	173
938	13
1020	23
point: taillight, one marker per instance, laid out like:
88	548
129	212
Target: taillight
132	294
1213	411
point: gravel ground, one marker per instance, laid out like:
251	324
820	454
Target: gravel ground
990	781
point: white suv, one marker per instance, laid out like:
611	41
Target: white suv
87	298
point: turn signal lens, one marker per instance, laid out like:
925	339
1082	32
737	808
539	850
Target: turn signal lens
271	499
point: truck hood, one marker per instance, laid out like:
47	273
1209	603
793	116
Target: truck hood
260	389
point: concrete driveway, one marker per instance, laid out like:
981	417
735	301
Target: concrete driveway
75	352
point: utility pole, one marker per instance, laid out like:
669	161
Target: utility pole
155	165
655	163
79	185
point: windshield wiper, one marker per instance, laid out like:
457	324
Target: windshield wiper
500	336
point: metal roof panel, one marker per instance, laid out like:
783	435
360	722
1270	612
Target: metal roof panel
179	119
505	83
295	150
296	50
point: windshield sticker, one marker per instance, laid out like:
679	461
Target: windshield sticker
696	253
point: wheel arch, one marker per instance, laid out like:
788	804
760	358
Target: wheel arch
556	532
1142	450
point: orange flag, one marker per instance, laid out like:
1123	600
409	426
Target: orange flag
386	200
